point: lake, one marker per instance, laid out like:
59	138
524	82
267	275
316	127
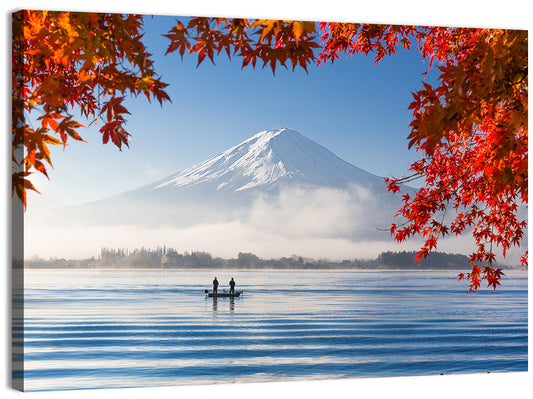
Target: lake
133	328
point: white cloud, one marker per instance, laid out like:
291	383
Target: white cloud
308	213
321	223
224	240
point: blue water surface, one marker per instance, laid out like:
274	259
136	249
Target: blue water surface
131	328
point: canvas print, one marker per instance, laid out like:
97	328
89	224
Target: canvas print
204	200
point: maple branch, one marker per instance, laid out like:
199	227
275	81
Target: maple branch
408	179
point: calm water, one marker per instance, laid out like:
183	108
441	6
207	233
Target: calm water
103	328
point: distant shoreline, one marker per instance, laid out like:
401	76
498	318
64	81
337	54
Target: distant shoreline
247	269
169	259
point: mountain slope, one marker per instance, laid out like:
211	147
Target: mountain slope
269	157
276	180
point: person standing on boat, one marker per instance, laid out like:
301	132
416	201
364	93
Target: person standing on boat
215	285
232	286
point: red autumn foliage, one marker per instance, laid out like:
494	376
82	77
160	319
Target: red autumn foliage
66	61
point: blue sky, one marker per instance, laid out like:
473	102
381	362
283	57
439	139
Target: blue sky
353	107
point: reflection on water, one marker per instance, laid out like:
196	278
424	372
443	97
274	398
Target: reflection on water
215	300
105	328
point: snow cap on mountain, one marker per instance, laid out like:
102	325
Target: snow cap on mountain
271	156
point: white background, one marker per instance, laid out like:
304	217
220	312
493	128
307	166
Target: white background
488	13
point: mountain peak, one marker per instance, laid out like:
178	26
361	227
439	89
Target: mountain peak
270	156
262	138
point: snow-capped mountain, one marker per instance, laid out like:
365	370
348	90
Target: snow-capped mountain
275	194
271	156
276	178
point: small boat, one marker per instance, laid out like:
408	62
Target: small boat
223	294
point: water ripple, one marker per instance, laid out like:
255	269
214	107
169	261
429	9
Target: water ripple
98	329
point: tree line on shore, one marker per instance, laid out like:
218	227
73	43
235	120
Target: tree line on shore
169	258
